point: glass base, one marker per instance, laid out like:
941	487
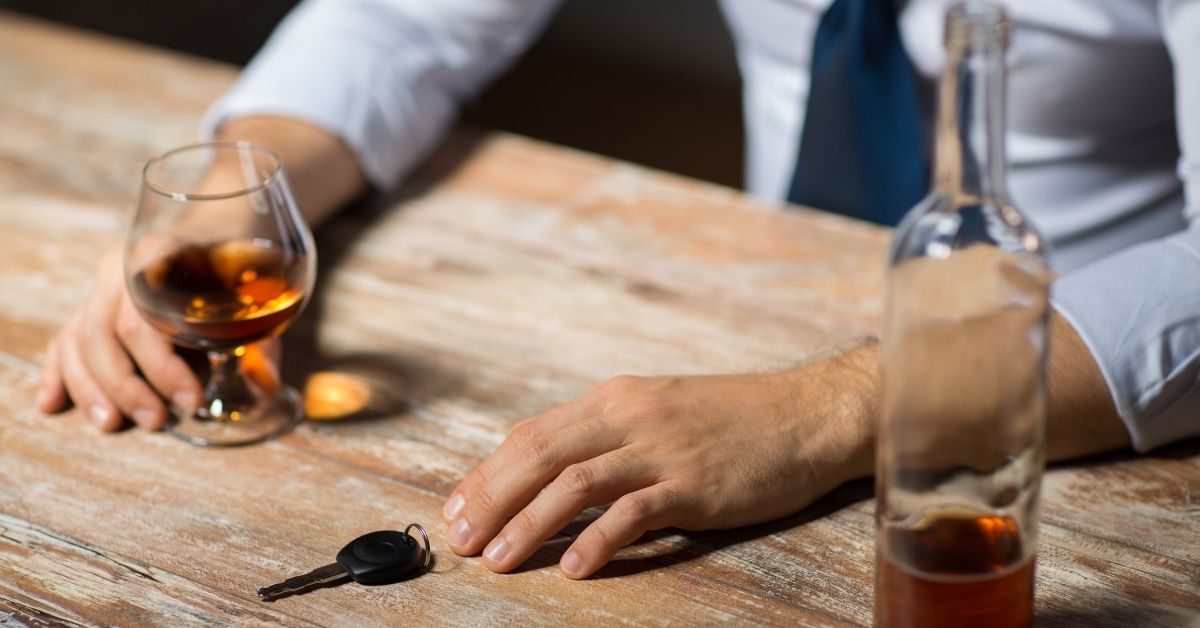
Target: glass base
264	418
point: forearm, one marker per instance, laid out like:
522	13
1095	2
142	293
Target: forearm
845	391
386	77
1081	419
323	172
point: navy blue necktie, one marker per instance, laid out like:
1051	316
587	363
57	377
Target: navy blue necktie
862	151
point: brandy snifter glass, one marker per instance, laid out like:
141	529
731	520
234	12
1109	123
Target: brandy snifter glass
218	258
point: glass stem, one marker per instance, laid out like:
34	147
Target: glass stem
226	393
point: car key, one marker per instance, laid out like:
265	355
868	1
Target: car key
374	558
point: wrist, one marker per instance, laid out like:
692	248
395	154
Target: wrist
323	172
842	393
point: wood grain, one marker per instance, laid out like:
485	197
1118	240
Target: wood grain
508	277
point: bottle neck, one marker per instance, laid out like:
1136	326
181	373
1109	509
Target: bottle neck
969	159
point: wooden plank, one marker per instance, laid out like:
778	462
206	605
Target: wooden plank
53	578
80	112
672	232
229	522
1149	504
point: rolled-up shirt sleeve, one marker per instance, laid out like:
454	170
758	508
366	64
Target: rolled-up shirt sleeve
385	76
1138	311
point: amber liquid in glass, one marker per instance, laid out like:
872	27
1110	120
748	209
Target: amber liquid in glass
221	296
956	570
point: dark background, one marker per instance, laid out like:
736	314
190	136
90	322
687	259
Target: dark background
649	81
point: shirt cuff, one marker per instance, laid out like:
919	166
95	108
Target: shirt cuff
382	167
1138	312
334	65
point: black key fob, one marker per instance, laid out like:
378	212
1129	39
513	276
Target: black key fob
381	557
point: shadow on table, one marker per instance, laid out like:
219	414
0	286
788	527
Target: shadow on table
1185	449
1104	612
697	544
365	386
1176	451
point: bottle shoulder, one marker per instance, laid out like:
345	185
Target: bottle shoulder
943	223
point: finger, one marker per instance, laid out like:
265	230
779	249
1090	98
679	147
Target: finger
51	393
523	431
168	373
545	423
504	483
85	391
626	521
112	369
581	485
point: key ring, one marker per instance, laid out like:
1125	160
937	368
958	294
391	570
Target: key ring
425	535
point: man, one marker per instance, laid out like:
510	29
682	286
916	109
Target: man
355	92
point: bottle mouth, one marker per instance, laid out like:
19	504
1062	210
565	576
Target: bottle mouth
977	24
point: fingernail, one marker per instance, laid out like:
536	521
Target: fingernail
185	401
571	563
144	416
497	550
453	506
98	414
460	533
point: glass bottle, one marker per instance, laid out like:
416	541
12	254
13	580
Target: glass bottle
963	357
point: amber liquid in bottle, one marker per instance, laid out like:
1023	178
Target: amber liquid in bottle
222	295
956	570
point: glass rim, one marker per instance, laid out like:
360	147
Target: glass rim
237	145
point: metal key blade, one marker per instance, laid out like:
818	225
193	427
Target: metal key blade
316	577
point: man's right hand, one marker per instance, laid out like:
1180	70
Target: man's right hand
111	363
96	358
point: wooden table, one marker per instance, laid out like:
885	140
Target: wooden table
511	276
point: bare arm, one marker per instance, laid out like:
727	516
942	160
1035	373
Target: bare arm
323	172
714	452
1082	419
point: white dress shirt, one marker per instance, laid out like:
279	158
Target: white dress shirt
1096	89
